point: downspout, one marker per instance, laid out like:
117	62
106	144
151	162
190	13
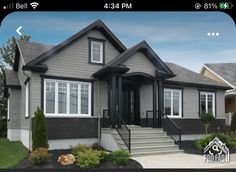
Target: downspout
30	125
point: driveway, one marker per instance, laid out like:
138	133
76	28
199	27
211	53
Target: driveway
181	160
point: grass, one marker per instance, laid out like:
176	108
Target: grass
11	153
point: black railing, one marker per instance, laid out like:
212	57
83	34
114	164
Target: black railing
120	126
168	125
169	129
123	130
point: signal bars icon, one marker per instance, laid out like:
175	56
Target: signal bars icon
9	6
34	5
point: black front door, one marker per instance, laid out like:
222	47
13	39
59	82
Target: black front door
131	105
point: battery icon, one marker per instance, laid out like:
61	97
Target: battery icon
225	5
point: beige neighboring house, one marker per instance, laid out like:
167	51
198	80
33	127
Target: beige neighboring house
223	73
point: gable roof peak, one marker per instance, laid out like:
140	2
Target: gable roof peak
97	25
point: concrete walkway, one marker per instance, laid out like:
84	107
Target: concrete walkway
181	160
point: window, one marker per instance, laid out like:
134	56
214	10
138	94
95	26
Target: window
62	93
67	98
96	52
173	102
207	102
50	97
27	100
8	108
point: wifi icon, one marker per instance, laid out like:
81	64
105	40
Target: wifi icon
34	5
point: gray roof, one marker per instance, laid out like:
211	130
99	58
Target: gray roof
31	50
187	76
225	70
11	78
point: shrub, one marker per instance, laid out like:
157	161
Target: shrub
40	138
206	118
39	156
79	148
88	159
96	146
204	141
233	122
105	156
120	157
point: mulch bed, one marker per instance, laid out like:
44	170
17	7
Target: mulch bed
56	153
188	147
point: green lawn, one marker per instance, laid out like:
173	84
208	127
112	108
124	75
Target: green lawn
11	153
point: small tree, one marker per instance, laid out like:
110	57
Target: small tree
40	137
233	122
206	118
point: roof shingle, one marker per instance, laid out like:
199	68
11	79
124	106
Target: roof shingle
226	70
188	76
31	50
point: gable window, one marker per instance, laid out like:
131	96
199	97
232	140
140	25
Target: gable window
67	98
27	100
173	102
97	51
207	102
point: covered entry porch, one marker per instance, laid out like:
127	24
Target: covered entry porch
125	100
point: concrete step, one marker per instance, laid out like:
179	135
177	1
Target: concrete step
143	134
152	148
156	152
149	143
147	136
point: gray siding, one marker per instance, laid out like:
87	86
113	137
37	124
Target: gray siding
73	60
190	102
140	63
103	94
35	92
18	118
14	109
146	99
220	104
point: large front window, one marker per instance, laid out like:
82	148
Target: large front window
67	98
173	102
207	102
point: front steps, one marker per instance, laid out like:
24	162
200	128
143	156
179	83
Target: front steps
148	141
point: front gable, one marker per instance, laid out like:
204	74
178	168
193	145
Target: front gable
140	63
74	60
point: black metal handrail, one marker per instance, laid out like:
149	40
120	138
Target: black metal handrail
119	124
176	126
172	122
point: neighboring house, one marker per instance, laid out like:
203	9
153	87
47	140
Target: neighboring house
223	73
92	72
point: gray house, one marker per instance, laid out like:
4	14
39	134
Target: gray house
93	89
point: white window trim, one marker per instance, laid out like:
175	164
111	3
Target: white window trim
8	108
27	100
206	100
180	104
101	52
67	114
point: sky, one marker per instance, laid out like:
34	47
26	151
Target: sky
177	37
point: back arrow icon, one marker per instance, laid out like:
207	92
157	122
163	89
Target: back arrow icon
18	30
